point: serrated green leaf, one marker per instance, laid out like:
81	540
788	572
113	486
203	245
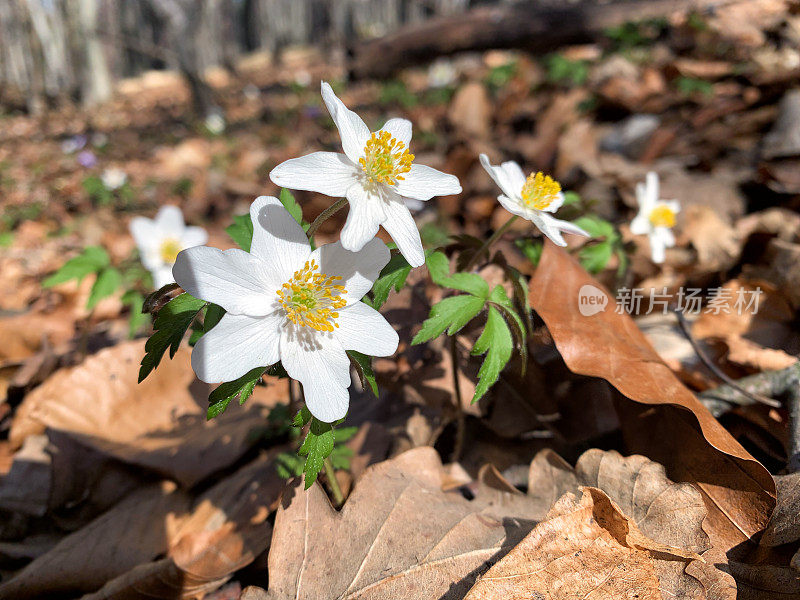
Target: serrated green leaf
497	344
289	203
595	257
597	227
317	446
107	282
219	399
241	232
340	457
502	302
453	313
288	465
92	260
439	268
393	275
170	326
302	417
214	313
363	365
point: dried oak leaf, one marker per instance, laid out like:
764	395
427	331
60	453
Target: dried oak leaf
681	434
398	536
586	548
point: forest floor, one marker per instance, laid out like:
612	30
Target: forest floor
611	464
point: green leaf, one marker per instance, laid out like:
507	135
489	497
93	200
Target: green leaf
289	203
497	344
597	227
170	326
288	465
595	257
302	418
571	198
363	365
219	399
91	260
137	320
241	232
393	275
214	313
532	249
439	268
453	313
317	446
107	282
502	302
340	457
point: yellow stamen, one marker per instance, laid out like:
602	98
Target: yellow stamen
385	158
311	298
662	216
540	191
169	250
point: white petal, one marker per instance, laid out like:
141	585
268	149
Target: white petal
399	129
514	174
640	224
353	131
194	236
515	207
665	236
358	270
236	345
326	400
501	178
652	188
423	183
162	275
657	253
144	232
401	226
673	205
277	238
169	221
239	282
365	216
329	173
552	227
556	203
364	329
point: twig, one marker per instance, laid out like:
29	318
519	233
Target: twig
715	370
338	498
325	215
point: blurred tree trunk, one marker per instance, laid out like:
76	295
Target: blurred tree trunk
95	76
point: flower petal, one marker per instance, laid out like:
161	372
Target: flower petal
353	131
501	177
365	216
399	129
326	400
194	236
657	249
169	221
239	282
514	207
236	345
640	224
144	232
277	238
401	226
665	236
423	183
358	270
364	329
162	275
514	175
651	188
329	173
552	227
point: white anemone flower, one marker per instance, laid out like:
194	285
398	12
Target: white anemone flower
656	217
114	178
287	303
532	198
376	174
161	239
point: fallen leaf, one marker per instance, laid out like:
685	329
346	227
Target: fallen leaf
739	491
591	537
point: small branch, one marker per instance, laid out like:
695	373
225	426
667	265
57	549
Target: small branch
338	498
325	215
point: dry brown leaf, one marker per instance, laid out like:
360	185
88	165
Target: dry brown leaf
133	532
398	536
159	424
683	435
750	354
583	549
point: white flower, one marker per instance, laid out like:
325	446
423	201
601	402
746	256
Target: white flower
285	302
375	174
161	239
531	198
656	217
113	178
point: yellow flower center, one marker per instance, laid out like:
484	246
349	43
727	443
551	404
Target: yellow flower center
385	158
662	216
540	191
169	250
311	298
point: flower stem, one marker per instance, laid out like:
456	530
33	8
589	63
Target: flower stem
325	215
495	236
338	498
461	419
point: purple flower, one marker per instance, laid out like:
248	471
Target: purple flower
87	159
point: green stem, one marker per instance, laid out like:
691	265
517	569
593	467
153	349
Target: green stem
495	236
325	215
338	498
461	419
